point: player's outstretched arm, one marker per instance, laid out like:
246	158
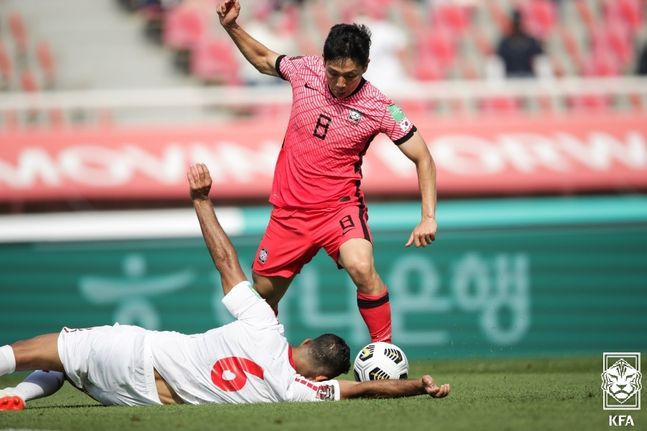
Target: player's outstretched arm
260	56
392	388
222	251
416	150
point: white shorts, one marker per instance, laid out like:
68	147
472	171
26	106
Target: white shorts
112	364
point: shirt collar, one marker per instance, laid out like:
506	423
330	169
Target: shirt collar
291	359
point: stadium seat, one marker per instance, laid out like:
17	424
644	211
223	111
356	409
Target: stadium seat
613	40
451	17
28	81
627	13
411	17
5	68
572	48
290	18
539	17
499	16
184	28
586	15
46	62
481	41
435	54
18	30
321	18
213	61
500	105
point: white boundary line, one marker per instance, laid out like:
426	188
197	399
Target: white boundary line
111	225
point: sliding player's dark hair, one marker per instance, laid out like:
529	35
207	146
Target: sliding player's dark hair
330	355
348	41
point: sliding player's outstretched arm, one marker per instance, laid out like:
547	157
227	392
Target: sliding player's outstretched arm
222	251
393	388
260	56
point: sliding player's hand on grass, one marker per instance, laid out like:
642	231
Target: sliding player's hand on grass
199	181
433	389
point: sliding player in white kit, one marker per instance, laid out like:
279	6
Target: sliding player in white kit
246	361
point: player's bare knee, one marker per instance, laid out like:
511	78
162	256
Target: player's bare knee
362	271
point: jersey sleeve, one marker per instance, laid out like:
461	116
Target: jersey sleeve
303	389
246	305
396	125
288	67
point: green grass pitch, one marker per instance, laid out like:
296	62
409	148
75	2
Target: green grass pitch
493	394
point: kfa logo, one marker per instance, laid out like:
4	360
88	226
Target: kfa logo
621	421
354	116
262	256
621	385
621	381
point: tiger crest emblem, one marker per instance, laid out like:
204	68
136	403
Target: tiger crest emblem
621	381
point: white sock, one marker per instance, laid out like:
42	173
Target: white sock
39	384
7	360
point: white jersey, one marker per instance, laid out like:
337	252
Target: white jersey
246	361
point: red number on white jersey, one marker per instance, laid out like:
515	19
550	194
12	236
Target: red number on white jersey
239	367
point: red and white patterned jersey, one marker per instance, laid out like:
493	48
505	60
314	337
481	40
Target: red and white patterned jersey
319	165
246	361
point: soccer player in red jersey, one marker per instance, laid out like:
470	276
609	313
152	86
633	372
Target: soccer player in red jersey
316	192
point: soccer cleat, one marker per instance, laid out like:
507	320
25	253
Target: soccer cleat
11	402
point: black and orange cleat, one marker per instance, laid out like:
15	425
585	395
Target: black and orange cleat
11	402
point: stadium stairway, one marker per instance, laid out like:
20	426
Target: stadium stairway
96	45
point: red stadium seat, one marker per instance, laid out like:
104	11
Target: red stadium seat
5	67
590	103
451	17
539	17
498	15
601	63
500	105
613	40
290	18
427	69
411	17
46	63
28	81
184	28
214	61
18	30
627	13
481	41
321	17
19	33
435	54
572	48
586	15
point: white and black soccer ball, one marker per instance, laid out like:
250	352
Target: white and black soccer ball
379	361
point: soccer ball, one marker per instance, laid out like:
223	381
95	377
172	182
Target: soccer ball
379	361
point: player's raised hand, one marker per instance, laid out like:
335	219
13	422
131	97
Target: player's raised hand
199	181
433	389
228	12
423	234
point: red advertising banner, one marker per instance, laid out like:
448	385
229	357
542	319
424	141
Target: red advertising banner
478	156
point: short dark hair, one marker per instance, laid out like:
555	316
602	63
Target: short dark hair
348	41
330	355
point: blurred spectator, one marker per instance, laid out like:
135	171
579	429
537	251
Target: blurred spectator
519	51
388	50
263	26
641	65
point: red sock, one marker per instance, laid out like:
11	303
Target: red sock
376	312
